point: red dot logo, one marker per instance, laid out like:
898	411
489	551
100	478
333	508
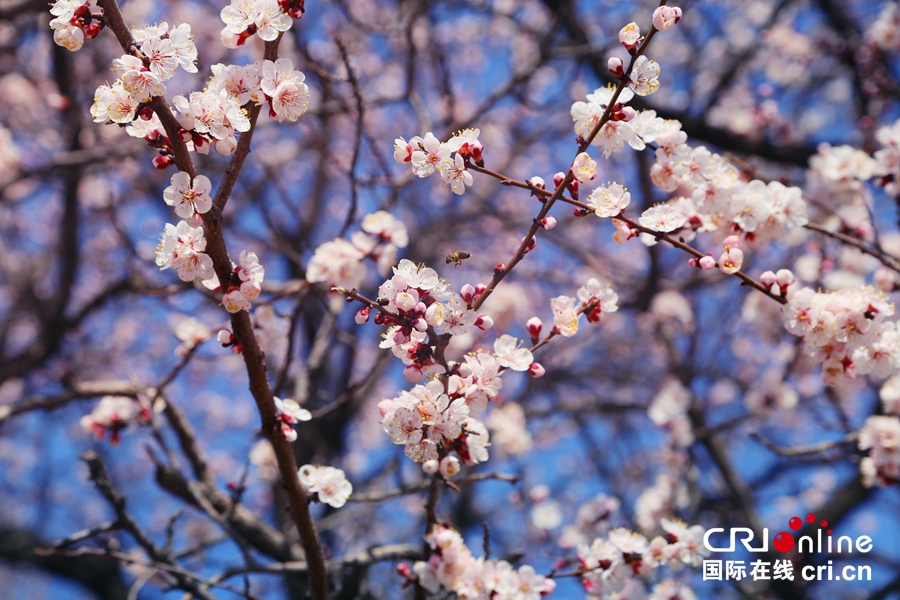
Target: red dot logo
824	523
810	518
795	523
784	541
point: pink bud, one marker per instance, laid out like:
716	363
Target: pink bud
784	278
484	322
559	178
403	569
536	370
237	348
531	244
420	308
499	268
362	316
534	326
479	289
768	279
548	222
195	220
692	262
430	467
626	113
146	113
733	241
420	325
162	162
467	292
707	263
537	182
185	136
225	337
573	189
616	67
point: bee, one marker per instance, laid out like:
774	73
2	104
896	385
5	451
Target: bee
457	257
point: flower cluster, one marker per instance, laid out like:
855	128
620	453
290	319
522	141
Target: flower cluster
264	82
624	555
887	167
266	18
289	412
427	421
429	155
846	331
73	23
414	300
339	263
594	299
713	198
328	483
880	435
452	566
140	79
113	414
625	126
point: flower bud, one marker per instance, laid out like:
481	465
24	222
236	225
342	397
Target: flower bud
616	67
405	301
449	466
531	244
537	182
536	370
626	113
499	268
225	337
665	17
362	315
93	30
146	113
420	325
430	466
707	262
692	262
195	220
484	322
733	241
784	278
630	36
403	569
467	293
548	222
162	162
559	178
768	279
434	315
534	326
479	289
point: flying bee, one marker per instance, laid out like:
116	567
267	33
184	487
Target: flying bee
457	257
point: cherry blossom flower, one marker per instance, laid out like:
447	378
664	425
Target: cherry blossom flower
430	155
565	317
114	413
285	87
609	201
630	35
455	175
337	263
185	49
731	260
161	55
290	412
188	197
510	355
644	76
181	248
386	227
328	483
600	296
662	218
584	168
136	80
70	37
